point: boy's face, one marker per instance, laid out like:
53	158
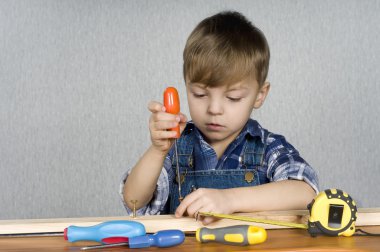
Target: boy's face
221	112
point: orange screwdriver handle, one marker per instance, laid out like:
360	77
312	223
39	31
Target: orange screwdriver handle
171	103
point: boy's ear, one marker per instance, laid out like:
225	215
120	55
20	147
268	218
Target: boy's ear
262	94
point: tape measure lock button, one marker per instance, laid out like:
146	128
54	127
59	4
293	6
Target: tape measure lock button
335	215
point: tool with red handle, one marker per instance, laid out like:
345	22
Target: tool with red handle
161	239
171	103
104	230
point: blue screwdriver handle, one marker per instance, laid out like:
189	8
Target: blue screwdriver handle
161	239
116	228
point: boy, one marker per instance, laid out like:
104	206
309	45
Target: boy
228	162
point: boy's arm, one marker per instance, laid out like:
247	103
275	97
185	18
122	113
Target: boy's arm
142	180
280	195
140	184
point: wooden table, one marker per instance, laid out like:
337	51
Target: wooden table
278	240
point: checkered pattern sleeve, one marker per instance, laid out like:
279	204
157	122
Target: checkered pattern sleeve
284	162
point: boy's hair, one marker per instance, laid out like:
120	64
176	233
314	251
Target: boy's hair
224	49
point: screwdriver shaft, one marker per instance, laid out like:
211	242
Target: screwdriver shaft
105	246
177	171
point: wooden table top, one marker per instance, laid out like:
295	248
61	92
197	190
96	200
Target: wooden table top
278	240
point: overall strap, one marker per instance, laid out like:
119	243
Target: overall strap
253	153
185	147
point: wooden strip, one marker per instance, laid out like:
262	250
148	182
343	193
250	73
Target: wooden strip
366	217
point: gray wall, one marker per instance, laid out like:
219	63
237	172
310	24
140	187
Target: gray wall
76	77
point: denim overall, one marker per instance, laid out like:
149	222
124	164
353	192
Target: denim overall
251	172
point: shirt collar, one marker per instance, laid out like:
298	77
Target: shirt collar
254	129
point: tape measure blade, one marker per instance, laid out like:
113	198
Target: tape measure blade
250	219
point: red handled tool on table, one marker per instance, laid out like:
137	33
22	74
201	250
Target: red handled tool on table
121	233
161	239
171	103
105	230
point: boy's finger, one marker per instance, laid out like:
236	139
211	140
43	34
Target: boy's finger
183	118
208	219
162	116
190	204
186	202
155	106
164	125
182	121
163	134
180	209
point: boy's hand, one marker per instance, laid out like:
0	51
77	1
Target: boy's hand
160	124
205	200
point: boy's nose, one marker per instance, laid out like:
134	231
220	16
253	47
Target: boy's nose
215	107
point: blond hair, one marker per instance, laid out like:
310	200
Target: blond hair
224	49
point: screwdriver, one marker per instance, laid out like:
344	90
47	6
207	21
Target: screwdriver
233	235
115	228
171	103
161	239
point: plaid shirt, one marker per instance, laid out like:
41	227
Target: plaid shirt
283	162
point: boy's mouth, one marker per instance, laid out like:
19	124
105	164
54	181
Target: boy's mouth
214	126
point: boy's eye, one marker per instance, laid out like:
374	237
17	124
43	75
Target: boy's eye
199	95
234	99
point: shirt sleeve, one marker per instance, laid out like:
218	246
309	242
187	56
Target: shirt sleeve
160	196
284	162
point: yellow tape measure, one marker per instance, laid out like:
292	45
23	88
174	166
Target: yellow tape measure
332	212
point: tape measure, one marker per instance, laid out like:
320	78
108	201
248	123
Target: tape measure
332	212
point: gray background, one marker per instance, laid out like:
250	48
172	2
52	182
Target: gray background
76	78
